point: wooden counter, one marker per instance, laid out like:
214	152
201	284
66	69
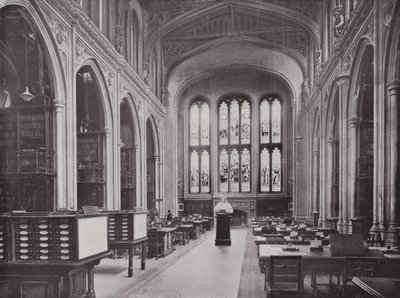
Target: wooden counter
127	230
51	254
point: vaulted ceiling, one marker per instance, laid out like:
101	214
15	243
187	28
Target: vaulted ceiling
184	29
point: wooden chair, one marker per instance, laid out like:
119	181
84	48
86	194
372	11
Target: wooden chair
154	246
359	267
283	277
371	241
275	239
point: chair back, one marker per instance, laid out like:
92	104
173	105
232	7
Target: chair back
152	233
361	266
283	269
275	239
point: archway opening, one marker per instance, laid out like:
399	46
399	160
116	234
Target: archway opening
26	115
90	139
239	218
151	169
128	158
365	158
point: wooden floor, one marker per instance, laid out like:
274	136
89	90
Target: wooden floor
196	270
251	280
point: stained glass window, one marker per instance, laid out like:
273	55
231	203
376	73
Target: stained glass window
205	124
223	170
194	171
264	170
234	170
199	127
234	142
205	171
245	123
271	147
264	121
245	170
276	170
194	125
223	123
276	121
234	122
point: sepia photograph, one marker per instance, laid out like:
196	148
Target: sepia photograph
199	148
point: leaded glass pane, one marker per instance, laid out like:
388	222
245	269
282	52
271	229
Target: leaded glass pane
264	121
234	122
194	125
223	171
245	124
205	171
234	171
245	174
264	170
223	123
276	121
205	123
276	170
194	171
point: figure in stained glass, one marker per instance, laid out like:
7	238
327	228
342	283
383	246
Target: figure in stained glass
223	123
223	171
245	123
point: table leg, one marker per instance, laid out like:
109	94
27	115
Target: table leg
144	248
90	277
130	257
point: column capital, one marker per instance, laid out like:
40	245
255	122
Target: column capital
107	131
330	141
316	153
59	104
343	78
393	87
136	147
354	122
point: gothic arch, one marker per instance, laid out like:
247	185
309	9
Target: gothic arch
105	97
55	65
354	104
393	46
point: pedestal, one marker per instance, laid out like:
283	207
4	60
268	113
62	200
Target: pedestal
223	235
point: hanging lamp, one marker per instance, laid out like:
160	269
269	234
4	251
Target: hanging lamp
26	95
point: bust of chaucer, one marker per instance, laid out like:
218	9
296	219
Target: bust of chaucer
223	206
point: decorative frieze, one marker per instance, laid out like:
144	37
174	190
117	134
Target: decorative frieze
60	34
80	52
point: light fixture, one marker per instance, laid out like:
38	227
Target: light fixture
26	95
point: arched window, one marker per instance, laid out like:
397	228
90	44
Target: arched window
199	147
234	119
271	144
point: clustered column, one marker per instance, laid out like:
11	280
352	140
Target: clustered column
393	89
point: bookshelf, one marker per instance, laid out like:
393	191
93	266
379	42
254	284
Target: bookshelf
27	158
127	178
90	169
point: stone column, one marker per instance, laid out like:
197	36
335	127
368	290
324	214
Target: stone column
394	90
330	142
353	131
139	196
315	175
343	83
60	166
107	172
156	183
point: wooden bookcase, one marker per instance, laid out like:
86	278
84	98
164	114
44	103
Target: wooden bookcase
27	158
127	179
90	169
